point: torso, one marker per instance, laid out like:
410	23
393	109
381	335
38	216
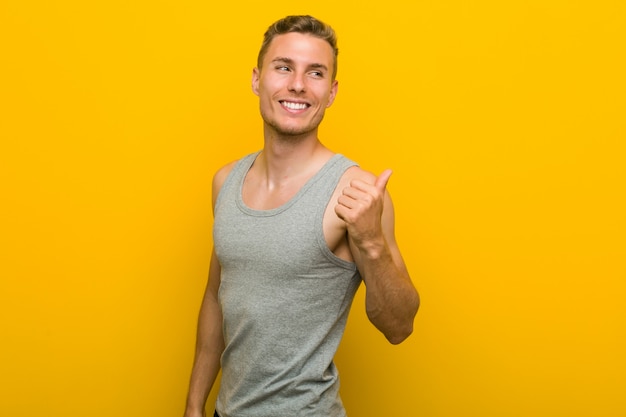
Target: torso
270	243
258	196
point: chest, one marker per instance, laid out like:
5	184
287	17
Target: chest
259	196
294	219
333	228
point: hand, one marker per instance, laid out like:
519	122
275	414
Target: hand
361	207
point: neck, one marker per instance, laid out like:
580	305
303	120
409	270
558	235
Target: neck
285	158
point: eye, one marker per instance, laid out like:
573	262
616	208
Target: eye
317	74
282	68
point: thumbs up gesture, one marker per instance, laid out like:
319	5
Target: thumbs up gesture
360	206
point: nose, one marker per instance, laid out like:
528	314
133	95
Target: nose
296	83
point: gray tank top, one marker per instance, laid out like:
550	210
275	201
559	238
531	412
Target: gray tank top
285	299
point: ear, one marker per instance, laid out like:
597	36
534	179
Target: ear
255	81
333	93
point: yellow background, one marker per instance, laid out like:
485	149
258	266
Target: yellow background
504	122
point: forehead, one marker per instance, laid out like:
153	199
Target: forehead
300	47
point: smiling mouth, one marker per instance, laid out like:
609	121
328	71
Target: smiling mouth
294	106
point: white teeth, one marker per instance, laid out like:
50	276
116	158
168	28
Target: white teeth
294	106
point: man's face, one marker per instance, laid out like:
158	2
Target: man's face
295	84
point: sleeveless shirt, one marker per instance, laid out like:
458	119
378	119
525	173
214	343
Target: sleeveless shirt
285	299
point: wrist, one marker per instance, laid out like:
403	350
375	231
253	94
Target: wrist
373	250
194	413
194	410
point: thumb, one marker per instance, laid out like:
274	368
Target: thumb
383	179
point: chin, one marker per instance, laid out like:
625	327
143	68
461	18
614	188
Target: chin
293	131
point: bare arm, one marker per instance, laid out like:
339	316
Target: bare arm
209	346
391	299
209	339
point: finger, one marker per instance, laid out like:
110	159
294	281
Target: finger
345	201
383	179
356	193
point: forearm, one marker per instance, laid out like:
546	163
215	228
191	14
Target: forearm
391	300
204	372
209	347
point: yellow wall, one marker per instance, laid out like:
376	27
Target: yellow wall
504	123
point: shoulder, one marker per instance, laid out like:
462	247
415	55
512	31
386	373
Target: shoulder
222	173
356	173
220	177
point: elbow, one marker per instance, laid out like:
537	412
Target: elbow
395	331
398	337
398	333
416	303
403	331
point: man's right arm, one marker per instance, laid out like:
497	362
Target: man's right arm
209	339
209	345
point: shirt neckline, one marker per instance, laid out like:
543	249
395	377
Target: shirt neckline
285	206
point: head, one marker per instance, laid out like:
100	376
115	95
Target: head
295	76
300	24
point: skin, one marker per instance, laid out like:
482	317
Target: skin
295	87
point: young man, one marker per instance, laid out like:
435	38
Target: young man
297	227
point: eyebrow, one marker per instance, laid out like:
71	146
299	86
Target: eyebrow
291	62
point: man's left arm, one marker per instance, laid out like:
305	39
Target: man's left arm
391	300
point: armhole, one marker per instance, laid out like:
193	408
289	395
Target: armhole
345	165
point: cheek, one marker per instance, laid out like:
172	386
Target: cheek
268	91
271	82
